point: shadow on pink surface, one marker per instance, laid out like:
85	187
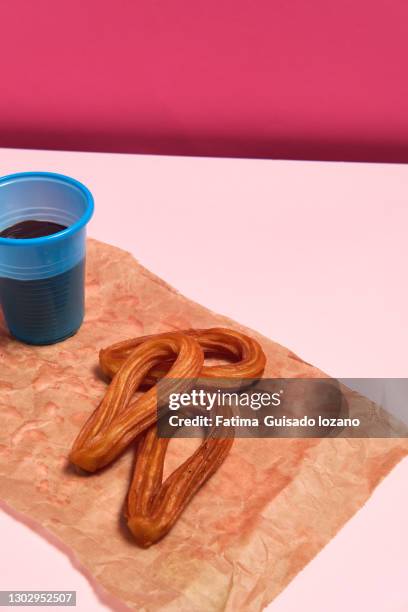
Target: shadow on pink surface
210	144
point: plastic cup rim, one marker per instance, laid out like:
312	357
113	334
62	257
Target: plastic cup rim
69	231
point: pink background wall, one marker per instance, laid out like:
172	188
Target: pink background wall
264	78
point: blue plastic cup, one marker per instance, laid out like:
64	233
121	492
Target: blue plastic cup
42	279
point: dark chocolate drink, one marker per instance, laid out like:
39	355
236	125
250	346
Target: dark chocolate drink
32	229
44	310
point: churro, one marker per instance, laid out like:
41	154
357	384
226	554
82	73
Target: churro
118	420
245	352
152	506
177	359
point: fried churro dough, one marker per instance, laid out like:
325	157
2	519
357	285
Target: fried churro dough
153	506
246	352
118	420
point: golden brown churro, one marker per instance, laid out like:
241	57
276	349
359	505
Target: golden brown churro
118	420
216	342
153	506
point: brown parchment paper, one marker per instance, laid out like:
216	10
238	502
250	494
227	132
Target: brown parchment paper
269	509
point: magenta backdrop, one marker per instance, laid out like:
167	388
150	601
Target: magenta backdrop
266	78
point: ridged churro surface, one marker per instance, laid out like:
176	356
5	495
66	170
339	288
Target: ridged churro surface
153	506
119	418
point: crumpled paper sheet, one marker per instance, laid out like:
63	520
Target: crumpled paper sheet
264	515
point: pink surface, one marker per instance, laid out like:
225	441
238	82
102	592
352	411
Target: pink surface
311	80
347	223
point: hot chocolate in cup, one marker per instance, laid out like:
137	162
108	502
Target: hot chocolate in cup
43	218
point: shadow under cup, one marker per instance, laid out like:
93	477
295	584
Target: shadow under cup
42	279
